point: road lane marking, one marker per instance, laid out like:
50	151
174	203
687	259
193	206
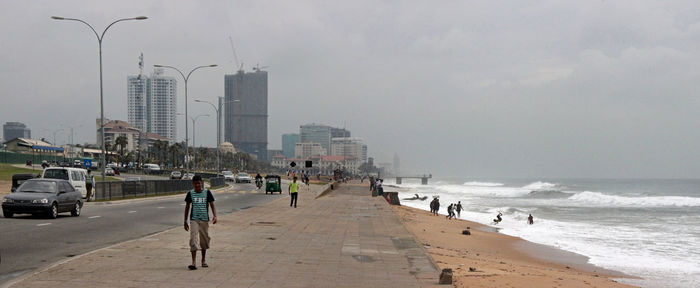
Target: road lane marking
43	224
183	204
93	217
132	211
161	207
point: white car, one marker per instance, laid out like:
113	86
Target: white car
109	172
228	175
151	168
243	178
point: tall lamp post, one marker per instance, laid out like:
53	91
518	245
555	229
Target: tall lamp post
218	127
102	110
187	163
194	120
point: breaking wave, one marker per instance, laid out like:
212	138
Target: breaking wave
600	199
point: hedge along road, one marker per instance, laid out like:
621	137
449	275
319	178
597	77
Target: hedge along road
30	243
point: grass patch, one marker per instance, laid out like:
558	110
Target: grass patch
7	170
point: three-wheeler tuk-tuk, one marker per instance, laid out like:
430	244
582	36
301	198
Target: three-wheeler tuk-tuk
273	183
18	179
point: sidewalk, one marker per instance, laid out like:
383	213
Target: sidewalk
343	239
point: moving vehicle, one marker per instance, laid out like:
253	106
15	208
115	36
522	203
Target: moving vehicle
243	178
109	172
175	175
188	176
18	179
151	169
228	175
273	184
43	196
76	177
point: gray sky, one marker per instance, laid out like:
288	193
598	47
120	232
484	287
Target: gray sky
456	88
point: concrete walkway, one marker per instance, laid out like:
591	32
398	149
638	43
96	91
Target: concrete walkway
343	239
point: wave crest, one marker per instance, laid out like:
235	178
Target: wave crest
600	199
541	186
482	184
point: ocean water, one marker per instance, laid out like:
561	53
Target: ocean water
645	228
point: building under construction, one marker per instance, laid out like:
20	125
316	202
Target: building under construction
245	119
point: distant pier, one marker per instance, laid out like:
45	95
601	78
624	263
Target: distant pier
423	179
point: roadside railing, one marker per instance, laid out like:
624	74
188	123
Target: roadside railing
216	182
144	188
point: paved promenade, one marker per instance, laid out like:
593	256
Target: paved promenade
343	239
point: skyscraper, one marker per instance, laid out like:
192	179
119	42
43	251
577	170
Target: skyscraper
152	103
322	134
12	130
245	120
288	143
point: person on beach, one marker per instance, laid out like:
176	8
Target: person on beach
459	208
449	212
498	218
200	200
437	205
432	206
293	190
530	220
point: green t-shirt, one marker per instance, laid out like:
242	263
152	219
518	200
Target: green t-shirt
294	187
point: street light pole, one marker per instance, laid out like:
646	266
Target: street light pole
218	128
194	120
102	110
187	152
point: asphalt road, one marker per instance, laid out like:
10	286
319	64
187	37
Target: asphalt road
29	243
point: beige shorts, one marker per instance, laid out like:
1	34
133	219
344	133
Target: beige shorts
199	235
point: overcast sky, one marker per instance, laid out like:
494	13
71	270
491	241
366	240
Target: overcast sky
455	88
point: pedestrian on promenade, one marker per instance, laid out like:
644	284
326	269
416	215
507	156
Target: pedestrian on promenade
293	190
199	199
89	183
459	208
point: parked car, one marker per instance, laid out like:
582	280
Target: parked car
187	176
76	177
175	175
109	172
151	168
243	178
228	175
43	196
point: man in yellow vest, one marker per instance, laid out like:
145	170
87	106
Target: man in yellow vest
293	190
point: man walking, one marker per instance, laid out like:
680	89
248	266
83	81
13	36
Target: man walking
200	200
459	208
293	190
89	183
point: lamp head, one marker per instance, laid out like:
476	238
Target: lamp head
157	65
57	18
213	65
140	18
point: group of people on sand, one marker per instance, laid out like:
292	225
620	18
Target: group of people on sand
454	211
451	209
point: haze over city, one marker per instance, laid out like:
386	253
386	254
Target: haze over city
480	89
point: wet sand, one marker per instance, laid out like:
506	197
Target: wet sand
500	260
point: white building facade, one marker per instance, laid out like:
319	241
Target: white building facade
152	103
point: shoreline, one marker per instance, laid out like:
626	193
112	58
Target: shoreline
498	259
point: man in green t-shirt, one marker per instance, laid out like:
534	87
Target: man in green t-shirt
200	200
293	190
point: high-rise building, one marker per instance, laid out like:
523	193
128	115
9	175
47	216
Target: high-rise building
316	133
152	103
245	120
349	147
306	150
12	130
397	164
288	143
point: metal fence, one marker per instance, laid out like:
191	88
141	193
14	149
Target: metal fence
143	188
216	182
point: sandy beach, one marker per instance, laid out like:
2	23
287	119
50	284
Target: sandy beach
499	260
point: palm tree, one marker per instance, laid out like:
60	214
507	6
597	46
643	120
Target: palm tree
175	151
121	141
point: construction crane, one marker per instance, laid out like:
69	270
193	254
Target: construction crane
235	57
257	67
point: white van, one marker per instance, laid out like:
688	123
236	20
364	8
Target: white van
151	168
76	176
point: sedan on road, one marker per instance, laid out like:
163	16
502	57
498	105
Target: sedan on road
43	196
109	172
175	175
243	178
228	175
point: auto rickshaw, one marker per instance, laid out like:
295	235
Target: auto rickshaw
18	179
273	184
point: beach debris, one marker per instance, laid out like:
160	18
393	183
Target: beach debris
466	232
446	276
503	262
472	269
